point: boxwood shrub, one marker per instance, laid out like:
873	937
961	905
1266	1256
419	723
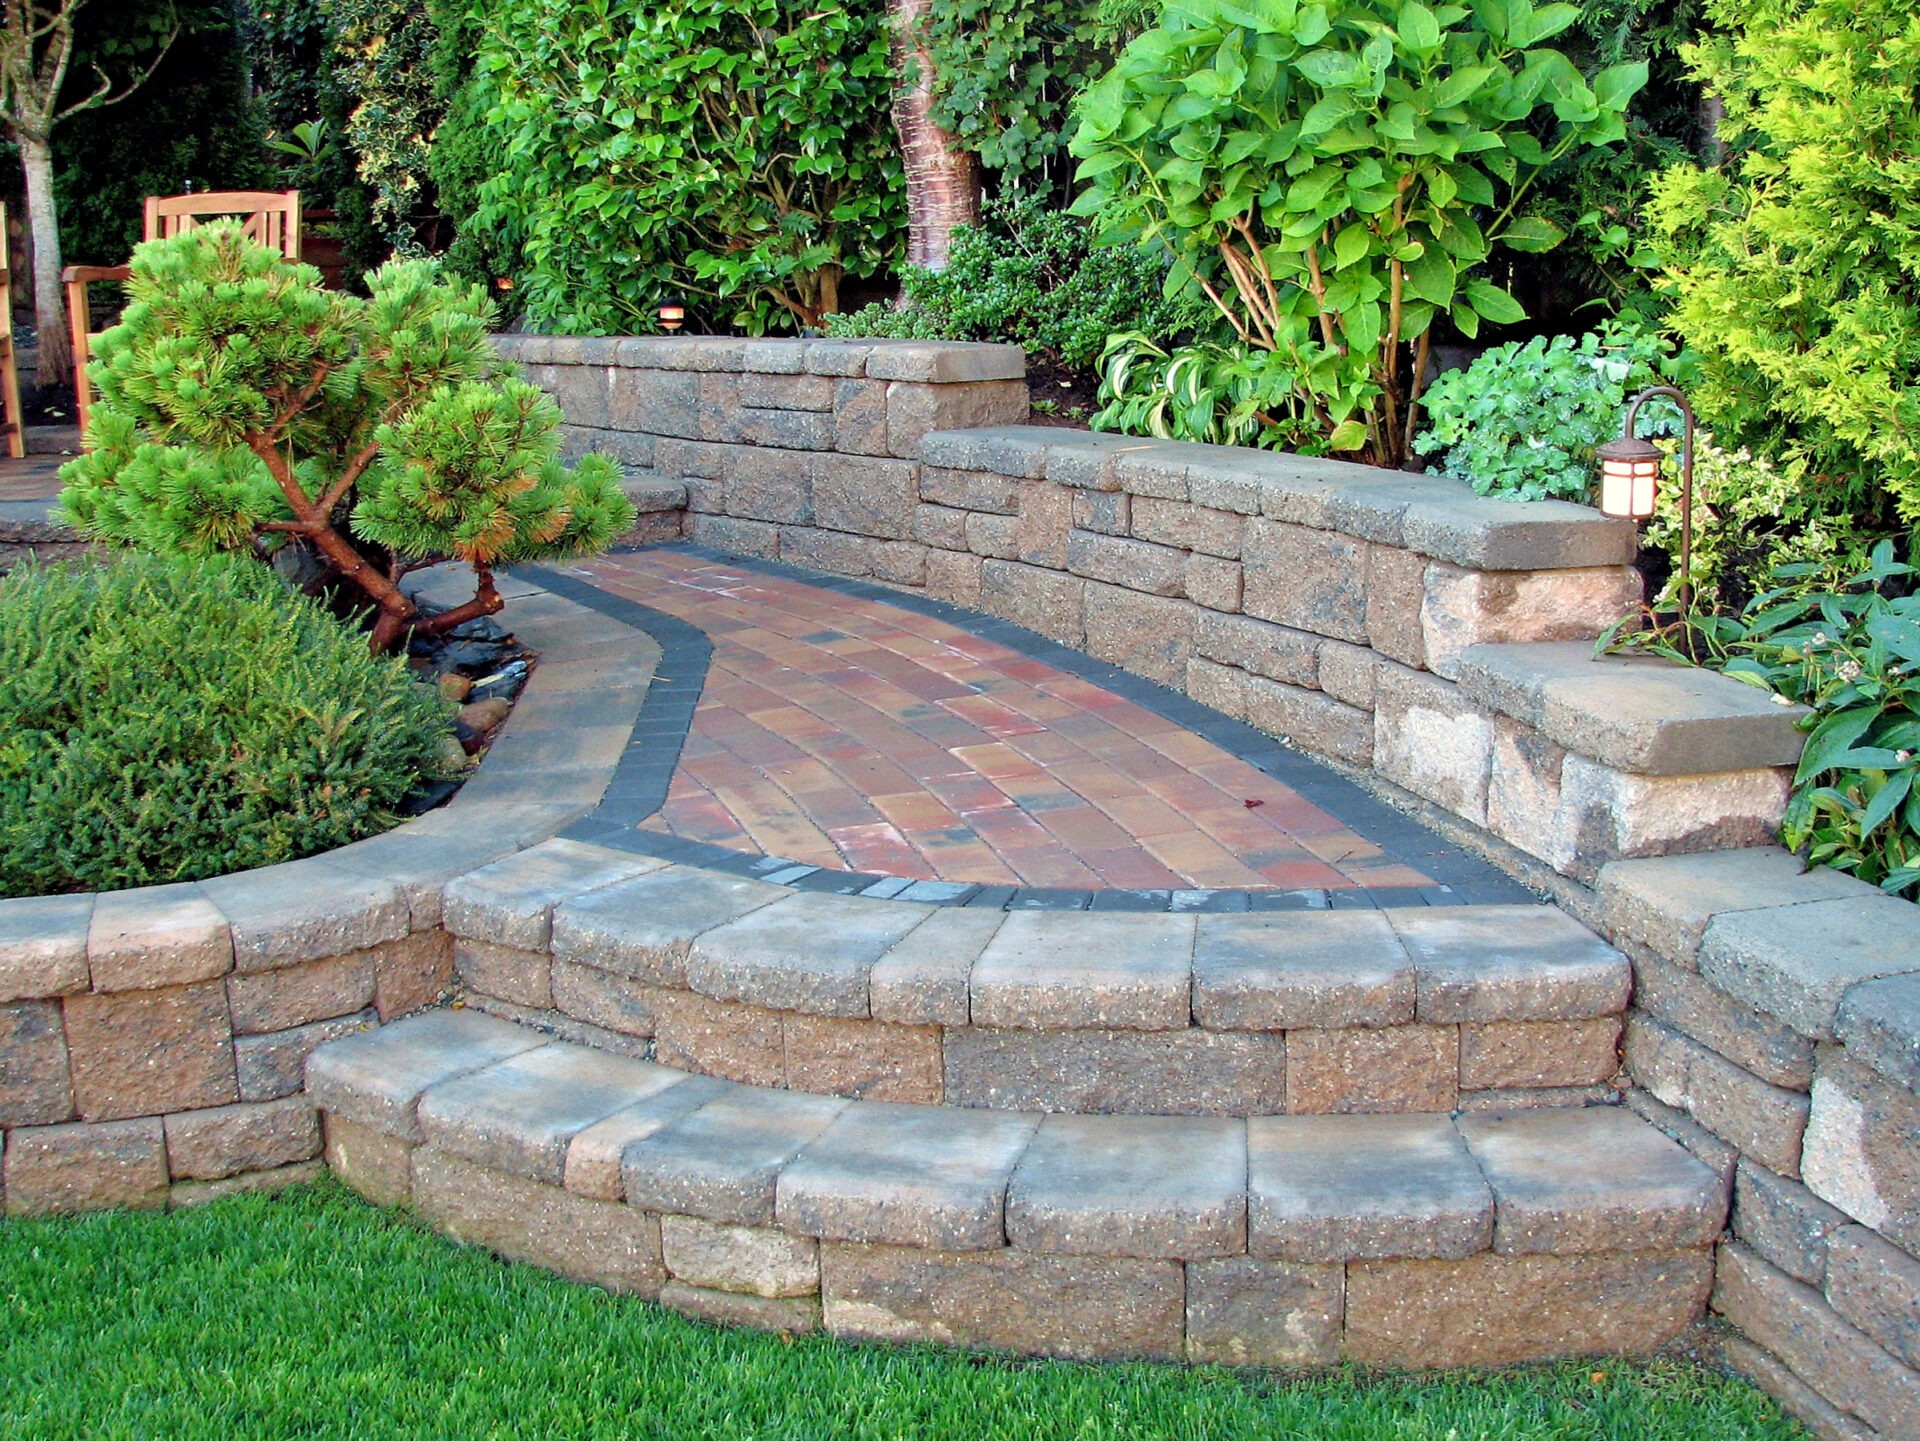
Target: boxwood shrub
165	721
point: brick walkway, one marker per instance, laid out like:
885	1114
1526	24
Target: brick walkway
854	734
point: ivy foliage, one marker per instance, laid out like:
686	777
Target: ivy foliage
242	407
1793	267
738	151
1028	275
466	149
168	721
382	57
1522	422
1335	177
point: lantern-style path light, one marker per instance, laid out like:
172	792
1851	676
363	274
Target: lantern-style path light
672	315
1630	478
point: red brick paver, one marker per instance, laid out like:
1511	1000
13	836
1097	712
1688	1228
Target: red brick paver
859	735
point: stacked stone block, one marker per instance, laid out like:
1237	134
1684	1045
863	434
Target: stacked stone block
1398	1240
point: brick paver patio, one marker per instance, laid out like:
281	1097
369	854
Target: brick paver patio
857	734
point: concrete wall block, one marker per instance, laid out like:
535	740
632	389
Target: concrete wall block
996	537
1430	740
306	911
1491	1310
1007	1300
1523	793
728	1039
1794	1322
1214	584
837	357
378	1166
940	526
1876	1287
945	362
779	429
689	459
955	578
741	537
1396	588
1347	673
156	936
1608	815
1762	1121
1188	527
773	357
655	402
1149	635
1750	1038
900	562
300	995
786	392
35	1088
1527	1054
1859	1153
1312	580
272	1065
769	485
507	973
227	1141
913	409
143	1053
583	393
746	1260
865	1060
1460	608
860	417
1274	651
1046	518
1243	1312
721	417
64	1170
1103	512
1133	564
829	550
1314	721
602	998
1784	1222
1043	601
43	946
1185	1072
412	973
971	490
1222	687
1389	1069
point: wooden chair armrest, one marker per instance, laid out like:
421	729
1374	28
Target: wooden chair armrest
86	274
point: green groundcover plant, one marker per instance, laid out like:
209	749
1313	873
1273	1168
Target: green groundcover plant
167	720
1335	178
243	408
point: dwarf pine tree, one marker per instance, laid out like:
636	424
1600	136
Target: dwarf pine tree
244	408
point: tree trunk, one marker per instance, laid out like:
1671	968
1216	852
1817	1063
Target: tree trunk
49	308
943	181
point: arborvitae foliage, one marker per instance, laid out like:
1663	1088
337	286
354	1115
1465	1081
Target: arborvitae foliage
244	408
165	721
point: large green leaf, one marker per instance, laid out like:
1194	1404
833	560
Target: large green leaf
1533	234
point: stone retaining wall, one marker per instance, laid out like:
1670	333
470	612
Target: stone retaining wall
1353	611
152	1041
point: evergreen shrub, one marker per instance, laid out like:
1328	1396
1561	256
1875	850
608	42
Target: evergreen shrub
164	720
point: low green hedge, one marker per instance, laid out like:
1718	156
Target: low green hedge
162	721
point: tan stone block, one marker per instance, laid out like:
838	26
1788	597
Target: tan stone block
1310	719
1129	564
914	409
227	1140
185	1195
748	1260
35	1089
1391	1068
1876	1286
43	946
792	1316
865	497
1607	814
157	936
983	490
869	1060
1188	527
603	998
1396	586
1213	583
1149	635
1523	793
1539	1053
378	1166
1493	1310
900	562
1347	673
954	578
1312	580
1041	600
940	526
1273	651
299	995
1765	1122
1046	517
1431	740
1071	1306
994	536
1860	1153
1242	1312
63	1170
603	1243
860	417
1103	512
1222	687
143	1053
1460	608
718	1038
827	550
412	973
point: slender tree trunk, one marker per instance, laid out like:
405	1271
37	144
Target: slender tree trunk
49	307
943	181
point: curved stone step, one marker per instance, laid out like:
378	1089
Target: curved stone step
1217	1014
1273	1240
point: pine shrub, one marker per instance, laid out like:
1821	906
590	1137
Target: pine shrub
163	720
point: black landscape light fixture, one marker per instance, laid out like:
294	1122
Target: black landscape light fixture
1630	478
673	315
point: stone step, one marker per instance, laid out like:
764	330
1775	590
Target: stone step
1269	1240
1226	1014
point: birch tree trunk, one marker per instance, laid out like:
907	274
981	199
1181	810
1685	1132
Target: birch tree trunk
943	181
49	309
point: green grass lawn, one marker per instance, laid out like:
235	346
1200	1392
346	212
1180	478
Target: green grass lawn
316	1315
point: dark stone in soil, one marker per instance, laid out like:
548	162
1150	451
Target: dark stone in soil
430	796
504	684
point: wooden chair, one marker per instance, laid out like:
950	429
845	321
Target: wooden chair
14	426
270	217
